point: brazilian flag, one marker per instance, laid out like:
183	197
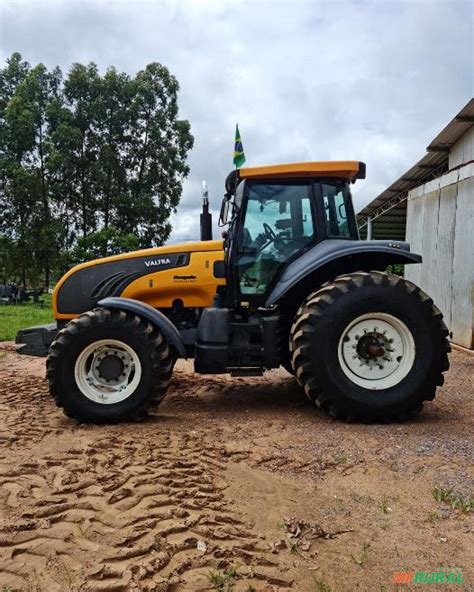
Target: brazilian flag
239	156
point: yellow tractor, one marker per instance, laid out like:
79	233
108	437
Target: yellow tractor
290	284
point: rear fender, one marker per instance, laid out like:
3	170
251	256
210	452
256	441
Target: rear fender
155	317
334	257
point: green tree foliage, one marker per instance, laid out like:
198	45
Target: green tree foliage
89	166
109	240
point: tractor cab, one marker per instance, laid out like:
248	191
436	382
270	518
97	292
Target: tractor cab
277	213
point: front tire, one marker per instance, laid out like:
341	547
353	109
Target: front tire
107	366
369	347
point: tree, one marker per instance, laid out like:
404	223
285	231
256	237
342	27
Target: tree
88	165
16	204
108	239
27	96
159	142
77	144
130	161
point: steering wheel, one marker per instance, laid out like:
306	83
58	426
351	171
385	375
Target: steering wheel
269	231
271	236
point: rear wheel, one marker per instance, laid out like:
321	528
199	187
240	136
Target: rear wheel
109	366
369	347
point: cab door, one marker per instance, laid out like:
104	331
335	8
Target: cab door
277	223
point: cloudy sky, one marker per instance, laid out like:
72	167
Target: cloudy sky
305	80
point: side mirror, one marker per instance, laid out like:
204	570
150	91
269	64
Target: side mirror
224	214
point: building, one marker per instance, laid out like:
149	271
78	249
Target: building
432	207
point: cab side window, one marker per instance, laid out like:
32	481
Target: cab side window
334	202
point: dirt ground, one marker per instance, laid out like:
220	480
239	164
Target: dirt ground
233	484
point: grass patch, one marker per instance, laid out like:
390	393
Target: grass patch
456	500
433	516
68	578
363	555
222	581
14	317
384	504
320	585
340	458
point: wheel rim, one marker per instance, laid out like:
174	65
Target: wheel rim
376	351
107	371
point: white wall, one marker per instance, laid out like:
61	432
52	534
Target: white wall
440	226
463	150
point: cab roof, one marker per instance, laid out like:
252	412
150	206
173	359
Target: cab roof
346	169
341	169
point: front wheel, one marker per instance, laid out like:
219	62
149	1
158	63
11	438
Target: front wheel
369	347
108	366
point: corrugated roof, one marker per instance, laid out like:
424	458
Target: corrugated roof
433	164
454	130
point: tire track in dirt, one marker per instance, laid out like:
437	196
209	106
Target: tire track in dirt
27	412
118	508
224	463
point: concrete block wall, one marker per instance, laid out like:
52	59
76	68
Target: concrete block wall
440	226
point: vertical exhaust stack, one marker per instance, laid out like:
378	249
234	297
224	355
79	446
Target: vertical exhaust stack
206	217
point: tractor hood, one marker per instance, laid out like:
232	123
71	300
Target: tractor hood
85	284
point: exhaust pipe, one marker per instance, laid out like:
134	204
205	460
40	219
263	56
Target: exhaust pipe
206	217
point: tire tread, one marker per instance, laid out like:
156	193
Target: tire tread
162	357
304	329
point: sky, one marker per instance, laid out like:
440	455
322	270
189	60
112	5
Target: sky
306	80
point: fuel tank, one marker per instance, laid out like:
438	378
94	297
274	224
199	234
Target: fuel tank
186	272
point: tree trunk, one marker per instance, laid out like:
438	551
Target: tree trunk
144	155
83	192
110	176
46	213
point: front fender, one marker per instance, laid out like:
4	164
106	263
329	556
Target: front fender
155	317
336	256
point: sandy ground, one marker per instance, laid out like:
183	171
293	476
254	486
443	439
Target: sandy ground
234	484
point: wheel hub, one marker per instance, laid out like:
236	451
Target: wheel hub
110	367
371	346
376	351
107	371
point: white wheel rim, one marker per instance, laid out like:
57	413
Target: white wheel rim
107	389
376	351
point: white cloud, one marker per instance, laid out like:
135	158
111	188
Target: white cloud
367	80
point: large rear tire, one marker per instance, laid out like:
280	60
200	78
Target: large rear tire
369	347
108	366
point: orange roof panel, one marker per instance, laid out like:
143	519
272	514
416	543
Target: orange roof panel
346	169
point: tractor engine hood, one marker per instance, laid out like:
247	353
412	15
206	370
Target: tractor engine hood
134	275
